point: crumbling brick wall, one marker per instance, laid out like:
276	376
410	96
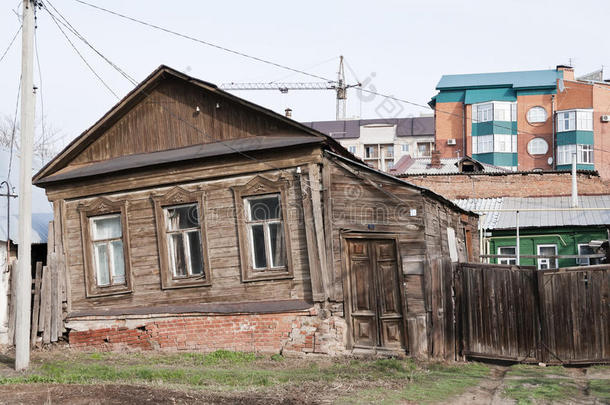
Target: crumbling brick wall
289	333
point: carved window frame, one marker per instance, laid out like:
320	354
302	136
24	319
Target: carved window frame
99	207
260	186
180	196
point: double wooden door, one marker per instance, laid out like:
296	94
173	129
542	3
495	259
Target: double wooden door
375	298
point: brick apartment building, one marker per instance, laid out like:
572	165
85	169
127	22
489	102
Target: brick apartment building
381	143
528	120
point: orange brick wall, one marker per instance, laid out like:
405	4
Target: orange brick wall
268	333
527	131
448	125
512	185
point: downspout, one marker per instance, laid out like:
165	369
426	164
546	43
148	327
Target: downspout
554	166
464	146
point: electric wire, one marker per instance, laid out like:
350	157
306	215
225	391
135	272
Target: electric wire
13	130
161	105
82	57
222	48
8	48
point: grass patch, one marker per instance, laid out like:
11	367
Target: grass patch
600	389
436	383
534	389
528	370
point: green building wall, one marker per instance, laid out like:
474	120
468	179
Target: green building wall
567	240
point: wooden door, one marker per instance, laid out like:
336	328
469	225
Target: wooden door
376	305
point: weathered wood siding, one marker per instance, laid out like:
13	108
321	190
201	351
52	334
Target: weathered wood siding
222	242
167	119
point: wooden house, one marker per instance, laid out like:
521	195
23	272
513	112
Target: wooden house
188	218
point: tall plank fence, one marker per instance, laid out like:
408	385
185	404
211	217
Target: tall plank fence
523	314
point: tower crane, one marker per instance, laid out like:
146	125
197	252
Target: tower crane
339	86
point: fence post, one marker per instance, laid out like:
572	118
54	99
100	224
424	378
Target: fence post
540	318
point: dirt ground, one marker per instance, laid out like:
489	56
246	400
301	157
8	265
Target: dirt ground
65	377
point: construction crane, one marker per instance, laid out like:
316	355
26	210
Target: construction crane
339	86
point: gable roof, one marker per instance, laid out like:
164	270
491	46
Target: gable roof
163	72
517	80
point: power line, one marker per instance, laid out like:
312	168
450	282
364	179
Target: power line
82	57
13	130
74	31
222	48
163	108
10	44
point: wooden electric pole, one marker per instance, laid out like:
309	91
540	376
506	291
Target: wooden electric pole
23	281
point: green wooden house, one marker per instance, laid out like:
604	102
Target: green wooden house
549	231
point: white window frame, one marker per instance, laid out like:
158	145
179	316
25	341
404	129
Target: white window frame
109	252
534	146
507	260
494	111
575	120
584	261
250	223
352	149
537	115
405	148
584	154
547	261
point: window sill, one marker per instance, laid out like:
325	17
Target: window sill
186	283
108	291
254	275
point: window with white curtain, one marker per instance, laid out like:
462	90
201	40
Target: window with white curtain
184	241
537	146
107	240
536	115
265	232
504	143
584	154
584	120
494	143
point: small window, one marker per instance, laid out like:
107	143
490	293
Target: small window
585	249
107	239
184	241
389	151
105	247
370	151
181	239
537	146
424	149
547	262
352	149
264	234
536	115
566	121
405	148
507	250
584	154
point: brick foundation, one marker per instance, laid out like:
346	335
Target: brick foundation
294	332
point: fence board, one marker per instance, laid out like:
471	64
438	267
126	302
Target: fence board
36	304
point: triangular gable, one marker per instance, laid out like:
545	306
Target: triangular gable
171	110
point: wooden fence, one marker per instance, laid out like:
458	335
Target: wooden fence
49	298
523	314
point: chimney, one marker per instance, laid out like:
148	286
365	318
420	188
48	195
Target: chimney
288	112
435	159
568	72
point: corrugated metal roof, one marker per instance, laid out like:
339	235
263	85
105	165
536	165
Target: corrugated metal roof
539	219
42	211
480	205
516	80
448	166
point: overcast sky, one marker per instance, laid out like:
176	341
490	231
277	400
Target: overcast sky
400	47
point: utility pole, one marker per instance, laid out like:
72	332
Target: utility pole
23	281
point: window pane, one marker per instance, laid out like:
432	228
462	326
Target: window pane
101	264
196	253
257	235
106	227
265	208
182	217
177	255
278	249
118	262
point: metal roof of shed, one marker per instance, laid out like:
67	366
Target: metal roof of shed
551	217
